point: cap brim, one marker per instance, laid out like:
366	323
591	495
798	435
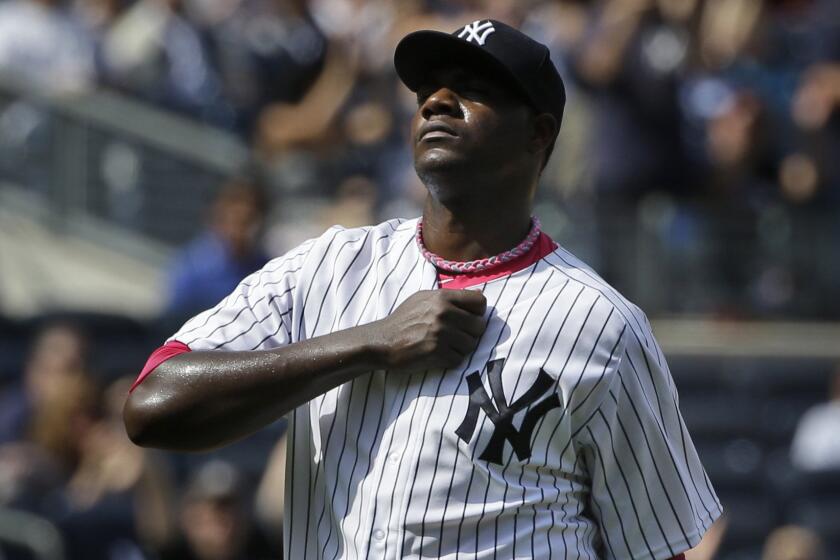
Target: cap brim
420	53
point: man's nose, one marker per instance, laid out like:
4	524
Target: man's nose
442	101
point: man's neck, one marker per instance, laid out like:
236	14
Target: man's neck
469	232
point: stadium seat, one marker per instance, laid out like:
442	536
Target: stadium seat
815	502
14	345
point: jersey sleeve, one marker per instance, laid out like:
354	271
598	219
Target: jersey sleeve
649	492
257	315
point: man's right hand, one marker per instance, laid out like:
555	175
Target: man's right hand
432	329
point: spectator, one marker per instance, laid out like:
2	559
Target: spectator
740	183
213	264
815	443
793	543
354	203
629	61
58	356
214	521
812	170
118	499
66	456
45	418
263	50
43	46
306	123
269	501
153	51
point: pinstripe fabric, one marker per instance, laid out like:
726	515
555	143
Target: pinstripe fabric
375	466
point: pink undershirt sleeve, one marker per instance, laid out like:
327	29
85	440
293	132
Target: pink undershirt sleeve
168	350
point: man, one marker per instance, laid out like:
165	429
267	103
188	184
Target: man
210	266
523	411
214	519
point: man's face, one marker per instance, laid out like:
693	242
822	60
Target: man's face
214	528
467	123
238	223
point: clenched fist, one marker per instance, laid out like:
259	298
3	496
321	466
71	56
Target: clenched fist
431	329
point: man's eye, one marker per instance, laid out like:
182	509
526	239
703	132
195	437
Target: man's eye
475	90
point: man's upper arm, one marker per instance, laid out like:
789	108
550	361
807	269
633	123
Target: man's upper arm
255	316
650	493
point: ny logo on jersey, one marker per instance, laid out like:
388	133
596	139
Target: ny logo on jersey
478	31
502	417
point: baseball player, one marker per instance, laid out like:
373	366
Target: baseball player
457	386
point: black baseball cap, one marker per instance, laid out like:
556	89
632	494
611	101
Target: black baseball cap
491	46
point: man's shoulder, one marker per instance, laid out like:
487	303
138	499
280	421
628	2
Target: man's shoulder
389	229
393	228
583	282
339	238
373	240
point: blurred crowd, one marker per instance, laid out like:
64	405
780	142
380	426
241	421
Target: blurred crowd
731	99
677	110
73	487
713	123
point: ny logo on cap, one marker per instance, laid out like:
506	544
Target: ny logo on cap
477	30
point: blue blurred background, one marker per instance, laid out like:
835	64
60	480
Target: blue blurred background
153	152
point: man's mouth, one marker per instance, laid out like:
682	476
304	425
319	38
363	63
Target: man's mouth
436	131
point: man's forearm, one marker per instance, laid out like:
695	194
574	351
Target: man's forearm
200	400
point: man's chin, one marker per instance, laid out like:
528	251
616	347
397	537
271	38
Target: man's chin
438	164
445	181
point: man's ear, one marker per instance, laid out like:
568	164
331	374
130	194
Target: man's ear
544	132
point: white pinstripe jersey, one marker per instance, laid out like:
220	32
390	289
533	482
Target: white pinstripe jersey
560	437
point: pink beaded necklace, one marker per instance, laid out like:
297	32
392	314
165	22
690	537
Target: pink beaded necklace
480	265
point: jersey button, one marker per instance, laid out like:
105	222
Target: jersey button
379	535
394	458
